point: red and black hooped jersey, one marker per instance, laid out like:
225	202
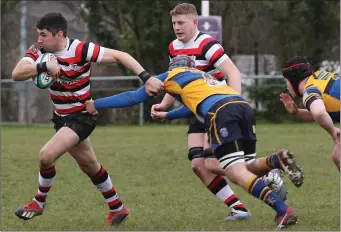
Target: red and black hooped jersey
206	50
72	88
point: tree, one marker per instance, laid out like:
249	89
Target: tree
307	28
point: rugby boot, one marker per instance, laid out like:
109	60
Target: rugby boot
289	166
29	211
289	218
238	215
116	218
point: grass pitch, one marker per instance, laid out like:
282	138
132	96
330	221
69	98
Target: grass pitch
150	171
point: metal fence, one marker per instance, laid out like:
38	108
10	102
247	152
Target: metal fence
24	103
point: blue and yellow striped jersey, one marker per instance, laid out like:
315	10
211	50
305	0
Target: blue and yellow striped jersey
192	86
326	86
197	90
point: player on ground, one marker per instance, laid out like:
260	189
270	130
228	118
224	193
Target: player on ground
72	123
230	123
321	97
209	57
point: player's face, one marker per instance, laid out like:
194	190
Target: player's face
48	41
185	26
290	88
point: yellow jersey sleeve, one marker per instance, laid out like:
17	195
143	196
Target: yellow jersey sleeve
311	94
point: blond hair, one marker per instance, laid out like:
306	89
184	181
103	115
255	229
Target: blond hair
183	9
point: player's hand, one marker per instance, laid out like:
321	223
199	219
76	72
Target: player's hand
158	115
89	106
153	86
336	135
289	104
53	68
158	107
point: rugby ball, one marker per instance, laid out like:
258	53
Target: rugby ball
43	80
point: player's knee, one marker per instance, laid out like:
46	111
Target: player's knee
90	167
198	167
236	173
336	156
46	158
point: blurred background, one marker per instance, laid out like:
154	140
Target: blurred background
258	36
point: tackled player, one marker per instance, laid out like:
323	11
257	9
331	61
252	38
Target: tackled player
230	123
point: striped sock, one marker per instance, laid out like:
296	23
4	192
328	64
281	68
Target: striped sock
257	188
104	185
223	191
273	161
46	179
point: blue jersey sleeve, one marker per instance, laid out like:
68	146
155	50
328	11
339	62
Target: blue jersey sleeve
181	112
126	99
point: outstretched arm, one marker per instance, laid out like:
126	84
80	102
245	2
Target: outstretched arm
291	107
153	85
181	112
321	116
304	115
125	99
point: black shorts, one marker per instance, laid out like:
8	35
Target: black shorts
229	120
195	126
81	123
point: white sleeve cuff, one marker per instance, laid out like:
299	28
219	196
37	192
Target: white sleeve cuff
220	61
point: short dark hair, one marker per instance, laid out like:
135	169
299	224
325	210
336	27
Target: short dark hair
53	22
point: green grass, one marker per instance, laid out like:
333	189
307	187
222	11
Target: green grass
151	173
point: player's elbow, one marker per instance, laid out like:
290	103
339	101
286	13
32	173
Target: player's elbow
15	75
120	56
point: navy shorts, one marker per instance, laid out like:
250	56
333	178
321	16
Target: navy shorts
195	126
230	120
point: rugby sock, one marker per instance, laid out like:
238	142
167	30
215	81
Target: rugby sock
271	161
46	179
104	185
222	190
256	187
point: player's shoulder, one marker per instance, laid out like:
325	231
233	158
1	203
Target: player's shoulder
74	43
205	38
203	35
311	89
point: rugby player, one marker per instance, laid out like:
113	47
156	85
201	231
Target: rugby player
209	57
73	125
321	97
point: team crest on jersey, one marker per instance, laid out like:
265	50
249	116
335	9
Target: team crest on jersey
223	132
74	67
